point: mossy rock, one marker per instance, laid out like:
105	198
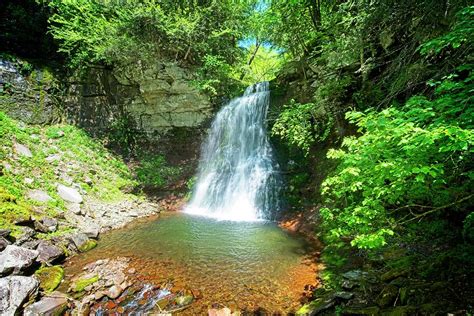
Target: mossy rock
387	296
50	277
399	311
394	273
315	307
6	197
184	300
81	284
88	245
373	310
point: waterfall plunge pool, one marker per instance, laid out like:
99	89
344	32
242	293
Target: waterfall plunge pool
241	265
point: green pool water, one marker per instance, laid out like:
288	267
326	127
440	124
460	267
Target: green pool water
244	265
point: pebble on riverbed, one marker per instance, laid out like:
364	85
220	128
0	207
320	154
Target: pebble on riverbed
106	285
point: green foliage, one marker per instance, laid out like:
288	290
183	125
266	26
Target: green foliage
460	35
301	125
54	132
155	171
111	31
266	63
410	163
217	78
468	227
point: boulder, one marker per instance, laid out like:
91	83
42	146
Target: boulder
4	243
75	208
48	252
15	259
92	230
69	194
22	150
14	292
38	196
316	306
82	242
79	239
50	223
39	227
5	232
27	234
31	244
359	276
114	291
344	295
387	296
52	304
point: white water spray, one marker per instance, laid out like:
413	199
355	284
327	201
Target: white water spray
238	177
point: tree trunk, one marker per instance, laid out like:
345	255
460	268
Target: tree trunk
314	7
257	46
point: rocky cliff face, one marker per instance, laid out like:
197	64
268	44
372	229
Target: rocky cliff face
157	97
29	93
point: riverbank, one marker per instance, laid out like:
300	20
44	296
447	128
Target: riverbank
59	190
404	279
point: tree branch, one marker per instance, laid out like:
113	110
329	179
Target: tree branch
435	209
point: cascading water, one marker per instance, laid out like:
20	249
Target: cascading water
238	177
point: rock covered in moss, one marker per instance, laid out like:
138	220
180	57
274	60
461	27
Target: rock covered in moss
80	284
363	310
316	306
90	244
14	292
82	242
15	259
50	277
387	296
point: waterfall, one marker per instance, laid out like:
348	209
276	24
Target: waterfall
238	176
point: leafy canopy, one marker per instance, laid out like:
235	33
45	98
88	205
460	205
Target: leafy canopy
410	162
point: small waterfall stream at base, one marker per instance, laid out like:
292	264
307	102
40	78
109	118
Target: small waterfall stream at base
238	175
